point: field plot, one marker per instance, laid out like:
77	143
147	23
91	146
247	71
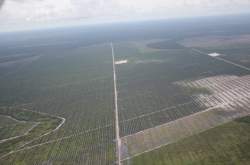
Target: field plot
11	128
7	121
225	144
156	99
166	133
162	97
13	131
8	67
230	100
236	54
75	84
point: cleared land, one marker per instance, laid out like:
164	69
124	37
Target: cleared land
120	102
159	103
230	100
159	100
213	54
224	144
161	95
147	90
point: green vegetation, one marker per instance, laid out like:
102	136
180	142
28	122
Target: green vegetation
73	78
59	154
224	144
14	57
76	84
237	54
169	44
150	85
15	130
141	45
6	121
48	123
196	90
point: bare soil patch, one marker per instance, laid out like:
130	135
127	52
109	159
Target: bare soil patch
121	62
214	54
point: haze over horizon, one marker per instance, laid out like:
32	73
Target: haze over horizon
19	15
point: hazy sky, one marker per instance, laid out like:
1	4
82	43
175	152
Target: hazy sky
29	14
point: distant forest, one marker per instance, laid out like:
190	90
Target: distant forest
27	43
165	45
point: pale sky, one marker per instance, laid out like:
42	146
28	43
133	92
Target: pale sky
36	14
